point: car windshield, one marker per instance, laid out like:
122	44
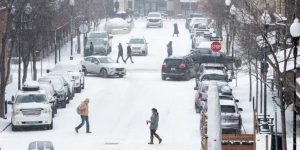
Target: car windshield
31	98
97	41
227	109
202	20
173	61
225	97
98	35
154	15
214	68
106	60
136	41
213	77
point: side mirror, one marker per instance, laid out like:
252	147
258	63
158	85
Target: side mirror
48	71
236	100
12	98
229	80
196	88
240	109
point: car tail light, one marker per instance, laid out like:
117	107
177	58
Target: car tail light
164	65
199	96
182	66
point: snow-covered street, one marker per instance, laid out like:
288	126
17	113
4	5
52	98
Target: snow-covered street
119	107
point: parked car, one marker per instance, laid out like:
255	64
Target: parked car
154	19
188	20
100	47
197	20
201	94
31	107
178	67
69	82
60	88
231	120
118	26
139	46
201	28
104	66
106	43
211	66
74	71
49	88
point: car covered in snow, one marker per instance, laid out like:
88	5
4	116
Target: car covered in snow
154	19
201	93
104	66
60	88
198	20
74	73
231	120
31	107
41	145
212	75
102	46
118	26
139	46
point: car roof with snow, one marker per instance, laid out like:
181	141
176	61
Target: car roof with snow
227	102
211	71
212	65
98	56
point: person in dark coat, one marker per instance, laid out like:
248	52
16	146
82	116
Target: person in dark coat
169	49
120	53
176	31
91	48
153	126
129	54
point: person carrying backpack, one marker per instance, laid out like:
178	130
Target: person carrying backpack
83	111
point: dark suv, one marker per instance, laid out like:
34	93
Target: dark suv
178	67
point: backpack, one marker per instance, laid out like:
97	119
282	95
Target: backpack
78	110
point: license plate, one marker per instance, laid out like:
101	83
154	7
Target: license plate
32	122
173	69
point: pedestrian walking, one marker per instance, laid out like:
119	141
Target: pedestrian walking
169	49
83	111
153	126
91	48
129	54
176	31
120	53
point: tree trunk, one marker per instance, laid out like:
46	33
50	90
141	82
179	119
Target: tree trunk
34	67
25	68
250	77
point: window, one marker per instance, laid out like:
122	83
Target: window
227	109
106	60
31	98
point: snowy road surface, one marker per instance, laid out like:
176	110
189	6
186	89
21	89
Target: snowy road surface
119	107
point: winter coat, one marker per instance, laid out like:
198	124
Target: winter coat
120	52
169	48
84	108
176	31
154	121
128	50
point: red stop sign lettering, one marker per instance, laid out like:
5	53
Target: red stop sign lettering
215	46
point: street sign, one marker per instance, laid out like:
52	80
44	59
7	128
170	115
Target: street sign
215	46
216	38
84	28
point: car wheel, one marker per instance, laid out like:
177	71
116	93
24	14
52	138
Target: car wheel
64	104
13	127
84	71
50	126
121	76
78	90
103	73
163	77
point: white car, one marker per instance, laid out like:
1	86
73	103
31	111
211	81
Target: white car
74	72
138	45
197	20
104	66
118	26
31	107
231	120
154	19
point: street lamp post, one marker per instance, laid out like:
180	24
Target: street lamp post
72	3
295	32
227	3
266	20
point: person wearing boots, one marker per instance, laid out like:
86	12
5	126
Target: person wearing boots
153	126
176	31
129	54
83	110
169	49
120	53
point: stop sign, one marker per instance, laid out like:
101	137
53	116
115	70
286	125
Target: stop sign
215	46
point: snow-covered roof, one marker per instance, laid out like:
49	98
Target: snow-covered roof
227	102
211	71
213	64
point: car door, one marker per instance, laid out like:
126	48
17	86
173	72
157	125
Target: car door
87	64
191	66
95	65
